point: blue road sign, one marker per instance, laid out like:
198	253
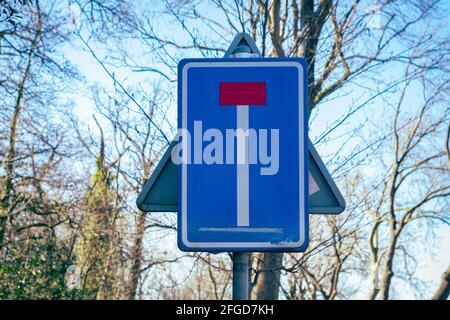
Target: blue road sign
243	155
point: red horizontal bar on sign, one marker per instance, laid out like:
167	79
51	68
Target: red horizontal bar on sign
242	93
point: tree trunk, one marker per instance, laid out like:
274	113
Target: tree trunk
7	187
11	153
268	285
444	289
137	256
311	21
388	272
375	286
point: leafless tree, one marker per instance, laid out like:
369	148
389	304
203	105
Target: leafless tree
415	185
348	48
37	198
333	36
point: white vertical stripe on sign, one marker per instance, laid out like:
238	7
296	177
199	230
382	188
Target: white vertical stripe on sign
243	219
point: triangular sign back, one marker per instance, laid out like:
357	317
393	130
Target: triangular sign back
241	40
160	192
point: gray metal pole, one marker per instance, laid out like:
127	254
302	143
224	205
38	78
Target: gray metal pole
240	275
241	260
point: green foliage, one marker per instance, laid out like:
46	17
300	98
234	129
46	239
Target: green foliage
94	248
34	269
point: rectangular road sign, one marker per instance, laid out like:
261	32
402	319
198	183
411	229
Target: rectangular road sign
243	152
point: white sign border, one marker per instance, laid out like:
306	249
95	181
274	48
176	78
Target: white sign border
302	206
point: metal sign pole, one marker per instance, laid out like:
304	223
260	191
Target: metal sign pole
241	275
241	260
